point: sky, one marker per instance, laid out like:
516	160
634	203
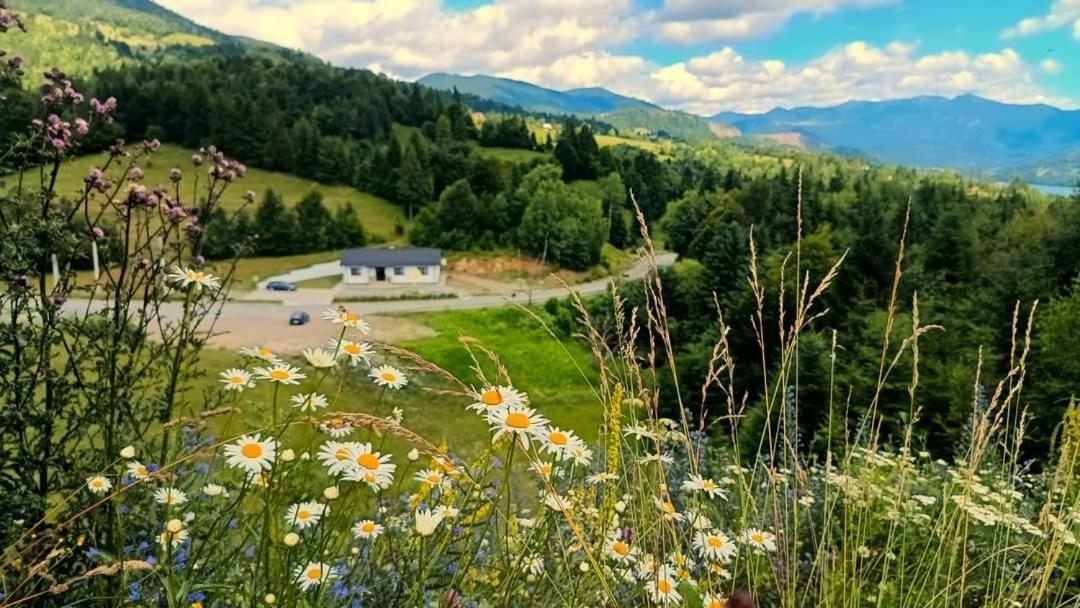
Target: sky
701	56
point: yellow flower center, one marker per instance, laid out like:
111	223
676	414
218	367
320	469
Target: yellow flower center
141	470
716	604
434	478
251	450
620	547
492	397
367	527
715	542
279	374
337	421
303	514
342	454
517	420
314	573
236	379
265	352
350	317
757	537
708	485
195	275
352	349
558	438
389	376
663	585
668	507
98	483
368	461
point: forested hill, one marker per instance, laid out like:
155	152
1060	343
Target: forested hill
87	35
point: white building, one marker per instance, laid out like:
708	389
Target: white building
408	266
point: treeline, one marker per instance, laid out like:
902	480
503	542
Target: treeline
279	229
971	255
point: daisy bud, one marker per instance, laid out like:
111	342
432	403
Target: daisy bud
128	453
305	456
174	525
288	456
291	539
620	506
330	493
270	598
414	455
583	566
355	550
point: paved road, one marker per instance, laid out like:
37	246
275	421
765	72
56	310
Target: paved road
315	271
258	312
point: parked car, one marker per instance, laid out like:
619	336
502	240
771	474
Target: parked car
299	317
281	286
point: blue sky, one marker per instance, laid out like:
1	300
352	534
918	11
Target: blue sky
703	56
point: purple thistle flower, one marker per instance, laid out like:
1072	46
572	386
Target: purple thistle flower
175	175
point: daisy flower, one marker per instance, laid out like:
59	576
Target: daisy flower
497	397
251	453
759	539
355	352
367	529
447	512
714	545
336	456
660	458
388	376
336	428
620	550
581	454
313	574
183	277
170	496
602	477
137	470
533	565
212	490
236	379
280	372
319	358
175	539
260	352
98	484
557	503
713	601
305	514
370	466
664	590
667	508
427	521
558	442
432	477
640	431
697	483
543	469
520	422
310	402
348	319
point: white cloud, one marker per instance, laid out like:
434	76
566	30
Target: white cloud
1052	67
1062	13
697	21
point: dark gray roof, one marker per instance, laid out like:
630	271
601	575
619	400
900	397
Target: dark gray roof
389	256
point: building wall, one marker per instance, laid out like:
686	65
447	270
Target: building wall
409	275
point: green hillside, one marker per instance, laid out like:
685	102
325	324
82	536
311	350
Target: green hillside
379	216
81	36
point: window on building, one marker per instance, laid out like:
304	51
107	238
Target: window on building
424	270
356	271
399	271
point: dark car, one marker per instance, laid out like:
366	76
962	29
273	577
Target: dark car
299	317
281	286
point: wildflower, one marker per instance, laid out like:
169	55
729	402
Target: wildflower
355	352
170	496
251	453
497	397
388	377
310	402
128	452
369	466
137	470
260	352
620	550
336	456
213	490
396	416
291	539
236	379
697	483
331	493
319	358
280	372
602	477
714	545
713	601
99	484
367	529
413	455
558	442
174	534
664	589
658	457
287	456
427	521
184	277
447	511
305	514
667	508
543	469
314	574
432	477
759	539
348	319
639	431
581	454
519	421
558	503
533	565
270	599
336	427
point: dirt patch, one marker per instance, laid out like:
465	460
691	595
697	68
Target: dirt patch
511	271
235	334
